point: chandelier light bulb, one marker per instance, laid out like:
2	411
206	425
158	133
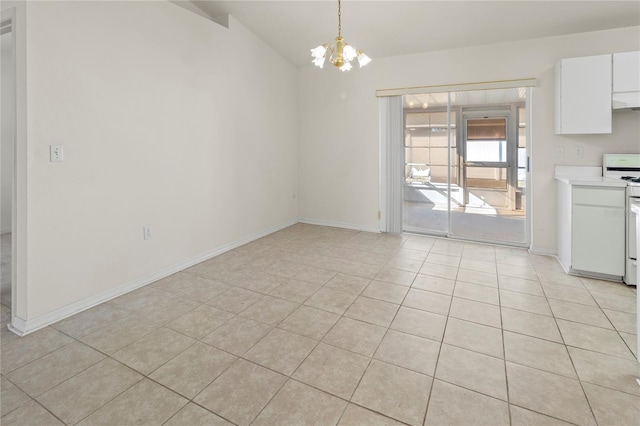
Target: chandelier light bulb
363	59
341	54
318	52
349	53
319	62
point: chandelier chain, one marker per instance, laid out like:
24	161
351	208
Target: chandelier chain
339	20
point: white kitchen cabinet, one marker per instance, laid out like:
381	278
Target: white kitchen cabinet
626	72
591	229
626	80
583	95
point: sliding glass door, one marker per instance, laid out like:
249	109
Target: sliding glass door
465	163
426	171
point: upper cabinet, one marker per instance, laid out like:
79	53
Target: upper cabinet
626	80
583	95
626	72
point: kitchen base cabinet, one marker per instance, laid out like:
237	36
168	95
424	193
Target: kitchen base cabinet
591	234
595	239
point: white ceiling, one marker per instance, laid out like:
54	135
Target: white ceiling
390	28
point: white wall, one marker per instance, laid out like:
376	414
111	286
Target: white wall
6	132
338	147
166	119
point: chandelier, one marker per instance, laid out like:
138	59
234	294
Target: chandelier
341	54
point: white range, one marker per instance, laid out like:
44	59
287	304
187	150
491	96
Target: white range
626	168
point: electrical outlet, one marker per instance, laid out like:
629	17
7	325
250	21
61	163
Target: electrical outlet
146	232
559	152
579	152
56	153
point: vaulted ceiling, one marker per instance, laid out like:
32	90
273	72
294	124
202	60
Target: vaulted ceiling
390	28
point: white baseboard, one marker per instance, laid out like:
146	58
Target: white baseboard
542	251
22	327
16	326
344	225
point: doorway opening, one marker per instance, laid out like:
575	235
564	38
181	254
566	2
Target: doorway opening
465	165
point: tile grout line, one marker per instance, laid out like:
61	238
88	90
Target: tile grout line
444	332
584	394
504	353
637	357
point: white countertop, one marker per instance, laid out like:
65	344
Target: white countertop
591	181
587	176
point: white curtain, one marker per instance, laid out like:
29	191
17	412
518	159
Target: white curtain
391	163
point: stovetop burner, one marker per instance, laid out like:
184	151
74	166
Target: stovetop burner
635	179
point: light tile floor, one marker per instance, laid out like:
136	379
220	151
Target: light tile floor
325	326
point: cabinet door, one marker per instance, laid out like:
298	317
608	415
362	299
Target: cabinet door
626	72
597	239
583	95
